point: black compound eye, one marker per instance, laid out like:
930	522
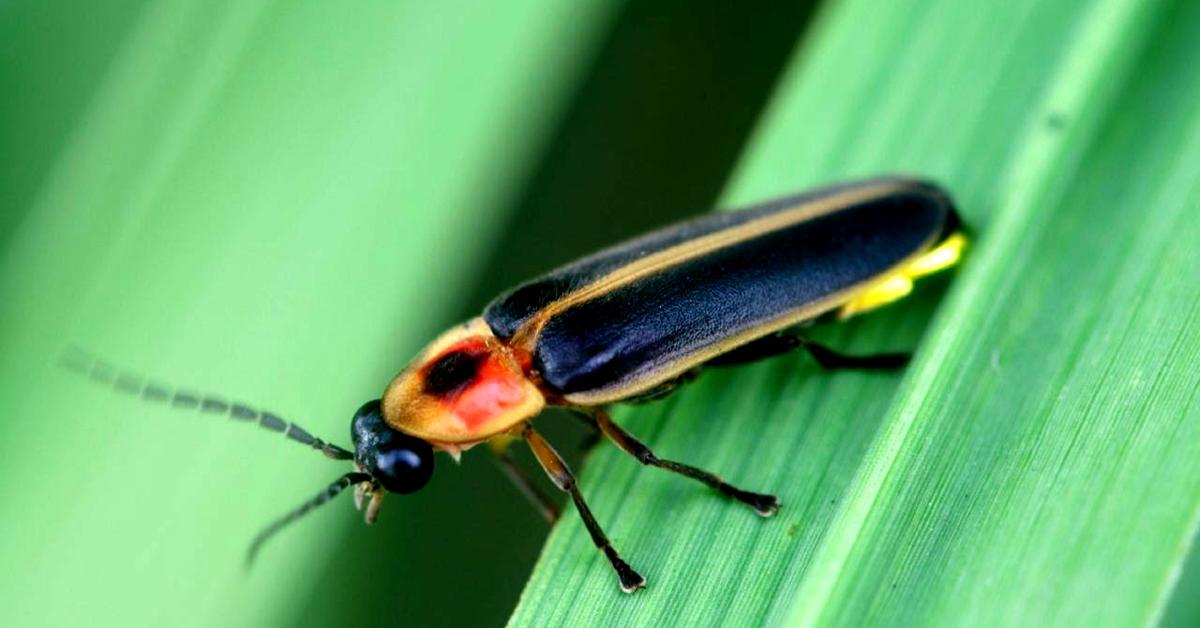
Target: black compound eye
405	465
401	463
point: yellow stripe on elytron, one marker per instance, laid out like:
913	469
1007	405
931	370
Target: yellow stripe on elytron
527	334
698	358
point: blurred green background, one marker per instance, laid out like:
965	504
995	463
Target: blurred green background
281	202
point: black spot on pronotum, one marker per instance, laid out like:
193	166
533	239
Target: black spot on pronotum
453	372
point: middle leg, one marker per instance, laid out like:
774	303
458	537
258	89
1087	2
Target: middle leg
763	504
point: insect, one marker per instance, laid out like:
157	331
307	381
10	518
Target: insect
629	323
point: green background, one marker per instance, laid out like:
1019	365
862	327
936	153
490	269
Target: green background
281	202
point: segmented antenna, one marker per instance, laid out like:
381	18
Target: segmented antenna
331	491
129	383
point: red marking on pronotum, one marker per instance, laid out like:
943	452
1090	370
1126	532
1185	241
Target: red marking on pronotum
496	390
473	383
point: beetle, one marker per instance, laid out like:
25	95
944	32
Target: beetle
630	323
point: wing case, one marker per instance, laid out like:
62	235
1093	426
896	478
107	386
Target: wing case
621	321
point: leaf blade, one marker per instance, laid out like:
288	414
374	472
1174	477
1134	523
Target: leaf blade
1053	74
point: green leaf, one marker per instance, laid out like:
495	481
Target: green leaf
252	202
1039	462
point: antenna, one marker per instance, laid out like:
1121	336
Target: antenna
127	382
331	491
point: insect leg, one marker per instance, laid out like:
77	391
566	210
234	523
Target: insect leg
763	504
779	344
830	359
759	349
561	475
524	484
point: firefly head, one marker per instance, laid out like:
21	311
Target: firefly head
399	462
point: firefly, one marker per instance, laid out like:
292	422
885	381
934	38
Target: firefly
630	323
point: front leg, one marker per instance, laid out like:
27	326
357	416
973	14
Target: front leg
562	477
